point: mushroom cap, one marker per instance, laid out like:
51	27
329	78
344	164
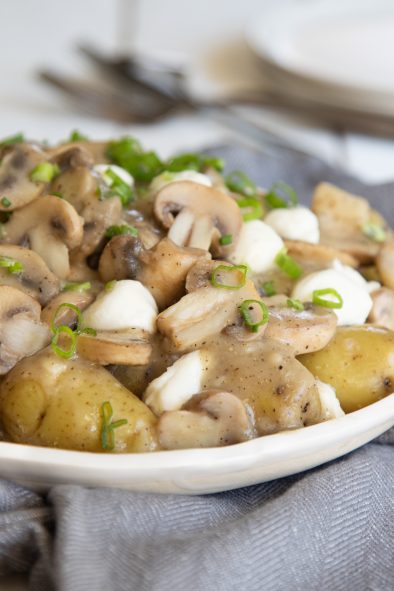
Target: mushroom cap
120	347
382	312
209	419
51	227
35	279
201	201
21	333
385	264
81	299
15	183
319	255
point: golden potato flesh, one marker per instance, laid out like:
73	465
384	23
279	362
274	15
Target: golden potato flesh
54	402
358	363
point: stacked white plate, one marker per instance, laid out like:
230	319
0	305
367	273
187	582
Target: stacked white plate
330	52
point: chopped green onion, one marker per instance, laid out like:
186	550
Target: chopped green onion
44	172
112	231
287	264
71	307
269	288
64	353
89	330
128	154
5	202
374	232
18	138
240	270
110	285
57	194
319	300
281	195
107	428
247	308
252	209
77	286
76	136
239	182
296	304
73	334
10	264
192	161
118	187
226	239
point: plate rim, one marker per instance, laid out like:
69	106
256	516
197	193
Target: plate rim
367	418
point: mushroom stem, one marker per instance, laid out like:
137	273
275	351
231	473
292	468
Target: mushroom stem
201	236
181	228
52	250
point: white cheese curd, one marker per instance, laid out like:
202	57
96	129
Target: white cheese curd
176	385
331	408
166	178
257	246
370	286
294	223
125	176
126	304
350	285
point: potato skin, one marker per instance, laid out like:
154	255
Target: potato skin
49	401
358	362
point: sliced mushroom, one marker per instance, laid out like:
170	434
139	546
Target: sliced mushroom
210	419
121	347
342	217
163	269
81	299
317	255
96	150
72	156
197	215
35	278
382	313
385	264
202	314
304	331
16	188
21	333
51	227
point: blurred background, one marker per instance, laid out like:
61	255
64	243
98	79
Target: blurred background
315	56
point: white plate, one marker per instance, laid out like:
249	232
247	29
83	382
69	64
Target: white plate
335	52
200	471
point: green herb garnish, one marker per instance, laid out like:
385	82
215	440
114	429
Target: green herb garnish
319	299
269	288
119	230
44	172
374	232
77	286
281	195
110	285
252	209
18	138
76	136
5	202
10	264
107	428
226	239
239	182
117	187
192	161
238	271
72	334
295	304
128	153
288	265
248	309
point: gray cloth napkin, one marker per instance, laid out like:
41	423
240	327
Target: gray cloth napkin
330	528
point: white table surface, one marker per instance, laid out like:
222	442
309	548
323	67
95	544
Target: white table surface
43	33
